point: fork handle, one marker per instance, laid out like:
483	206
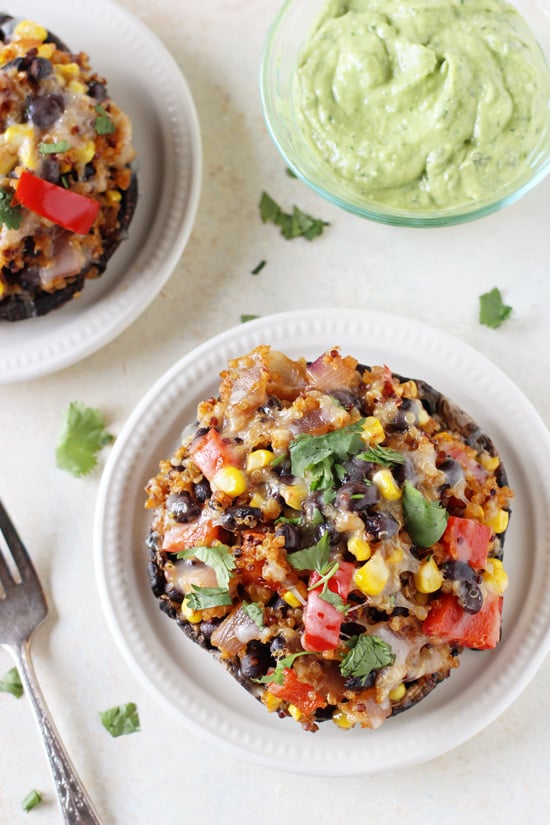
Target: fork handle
75	804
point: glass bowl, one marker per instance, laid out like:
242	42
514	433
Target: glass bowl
287	34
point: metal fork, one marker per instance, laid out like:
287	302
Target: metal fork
23	608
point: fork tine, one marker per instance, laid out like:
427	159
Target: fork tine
17	548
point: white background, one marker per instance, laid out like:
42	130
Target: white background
164	773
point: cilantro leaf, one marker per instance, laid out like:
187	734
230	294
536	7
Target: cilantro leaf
10	216
492	311
425	520
103	123
11	683
334	599
83	435
382	455
366	653
204	597
245	318
121	719
53	148
278	674
32	799
219	558
312	558
319	455
295	224
254	612
258	268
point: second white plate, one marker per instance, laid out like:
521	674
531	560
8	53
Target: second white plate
193	685
147	84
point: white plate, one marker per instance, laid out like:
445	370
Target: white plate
147	84
190	682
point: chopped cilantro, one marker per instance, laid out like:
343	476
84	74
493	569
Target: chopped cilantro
219	558
382	455
121	719
313	558
366	653
204	597
254	612
278	674
258	268
326	574
11	683
425	521
320	455
10	216
290	173
295	224
32	799
103	123
334	599
245	318
492	311
54	148
82	436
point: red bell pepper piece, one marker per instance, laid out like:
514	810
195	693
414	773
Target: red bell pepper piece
467	540
322	621
297	693
210	452
448	622
70	210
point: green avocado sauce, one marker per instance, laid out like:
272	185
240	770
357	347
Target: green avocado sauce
418	104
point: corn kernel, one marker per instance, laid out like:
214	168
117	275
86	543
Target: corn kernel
258	459
29	30
386	485
230	480
428	577
113	196
395	556
193	616
372	577
85	152
359	547
497	521
295	712
271	702
76	87
373	431
257	500
27	155
495	576
489	462
296	596
17	133
409	389
342	720
397	693
474	511
69	71
8	160
422	418
46	50
294	494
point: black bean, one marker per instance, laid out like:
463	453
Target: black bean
291	534
453	471
404	472
283	469
357	470
277	644
182	508
323	714
270	406
89	171
45	109
399	423
360	682
349	629
459	571
202	490
346	398
29	277
470	597
238	518
39	68
355	496
97	91
321	529
206	628
381	526
50	169
257	660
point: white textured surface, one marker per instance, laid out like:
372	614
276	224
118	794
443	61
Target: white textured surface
165	773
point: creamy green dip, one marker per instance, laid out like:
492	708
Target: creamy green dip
423	103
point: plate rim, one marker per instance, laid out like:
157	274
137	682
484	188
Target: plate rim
112	314
226	738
